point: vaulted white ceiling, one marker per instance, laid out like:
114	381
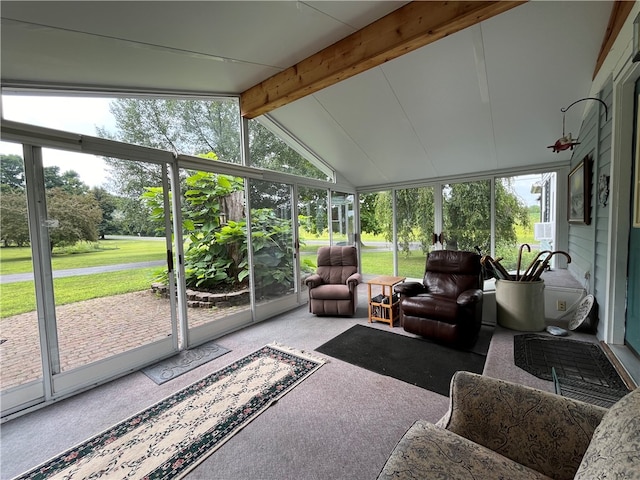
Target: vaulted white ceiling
484	99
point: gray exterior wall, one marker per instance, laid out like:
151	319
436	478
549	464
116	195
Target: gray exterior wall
588	244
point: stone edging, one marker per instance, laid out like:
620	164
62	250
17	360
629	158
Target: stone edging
197	299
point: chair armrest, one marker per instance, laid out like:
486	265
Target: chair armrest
469	297
313	281
353	280
538	429
409	289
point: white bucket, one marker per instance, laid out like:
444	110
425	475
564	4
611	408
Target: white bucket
520	305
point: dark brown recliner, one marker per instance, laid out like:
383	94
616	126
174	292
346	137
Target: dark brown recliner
447	305
333	288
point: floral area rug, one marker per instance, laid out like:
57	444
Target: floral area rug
169	439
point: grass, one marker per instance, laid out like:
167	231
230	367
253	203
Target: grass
107	252
19	297
381	263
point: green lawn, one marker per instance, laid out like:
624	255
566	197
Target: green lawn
19	297
109	252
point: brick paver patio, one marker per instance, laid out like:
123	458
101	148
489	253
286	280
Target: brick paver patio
91	330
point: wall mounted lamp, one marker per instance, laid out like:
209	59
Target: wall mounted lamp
566	142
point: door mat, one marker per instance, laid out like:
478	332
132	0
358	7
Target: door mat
575	362
587	392
183	362
417	361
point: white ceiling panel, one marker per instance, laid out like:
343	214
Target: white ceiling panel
352	12
546	64
209	28
387	137
484	99
321	133
120	64
439	89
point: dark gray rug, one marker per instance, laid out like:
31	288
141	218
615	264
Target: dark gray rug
417	361
184	361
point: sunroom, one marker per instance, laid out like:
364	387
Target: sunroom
316	123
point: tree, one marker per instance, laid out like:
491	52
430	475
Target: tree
108	205
216	236
78	217
368	220
467	209
68	201
467	214
69	180
415	209
11	172
14	224
270	152
195	127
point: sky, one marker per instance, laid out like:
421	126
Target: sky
71	114
82	115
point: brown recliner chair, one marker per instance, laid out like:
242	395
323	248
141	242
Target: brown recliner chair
333	288
447	305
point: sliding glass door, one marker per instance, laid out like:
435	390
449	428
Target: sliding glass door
216	263
273	249
21	375
88	311
313	228
105	304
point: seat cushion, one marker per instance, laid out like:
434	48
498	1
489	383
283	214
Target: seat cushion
614	451
330	292
427	451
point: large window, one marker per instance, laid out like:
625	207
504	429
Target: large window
342	219
376	226
497	217
466	208
520	203
181	126
415	226
271	152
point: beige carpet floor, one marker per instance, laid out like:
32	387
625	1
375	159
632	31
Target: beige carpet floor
341	423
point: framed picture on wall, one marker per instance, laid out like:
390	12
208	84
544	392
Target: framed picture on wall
579	192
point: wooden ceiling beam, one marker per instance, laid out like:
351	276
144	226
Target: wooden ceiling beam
412	26
619	13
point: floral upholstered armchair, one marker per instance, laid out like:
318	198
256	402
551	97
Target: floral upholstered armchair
500	430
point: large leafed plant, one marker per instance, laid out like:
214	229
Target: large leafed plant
215	230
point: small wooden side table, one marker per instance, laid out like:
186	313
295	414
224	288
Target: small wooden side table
385	312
